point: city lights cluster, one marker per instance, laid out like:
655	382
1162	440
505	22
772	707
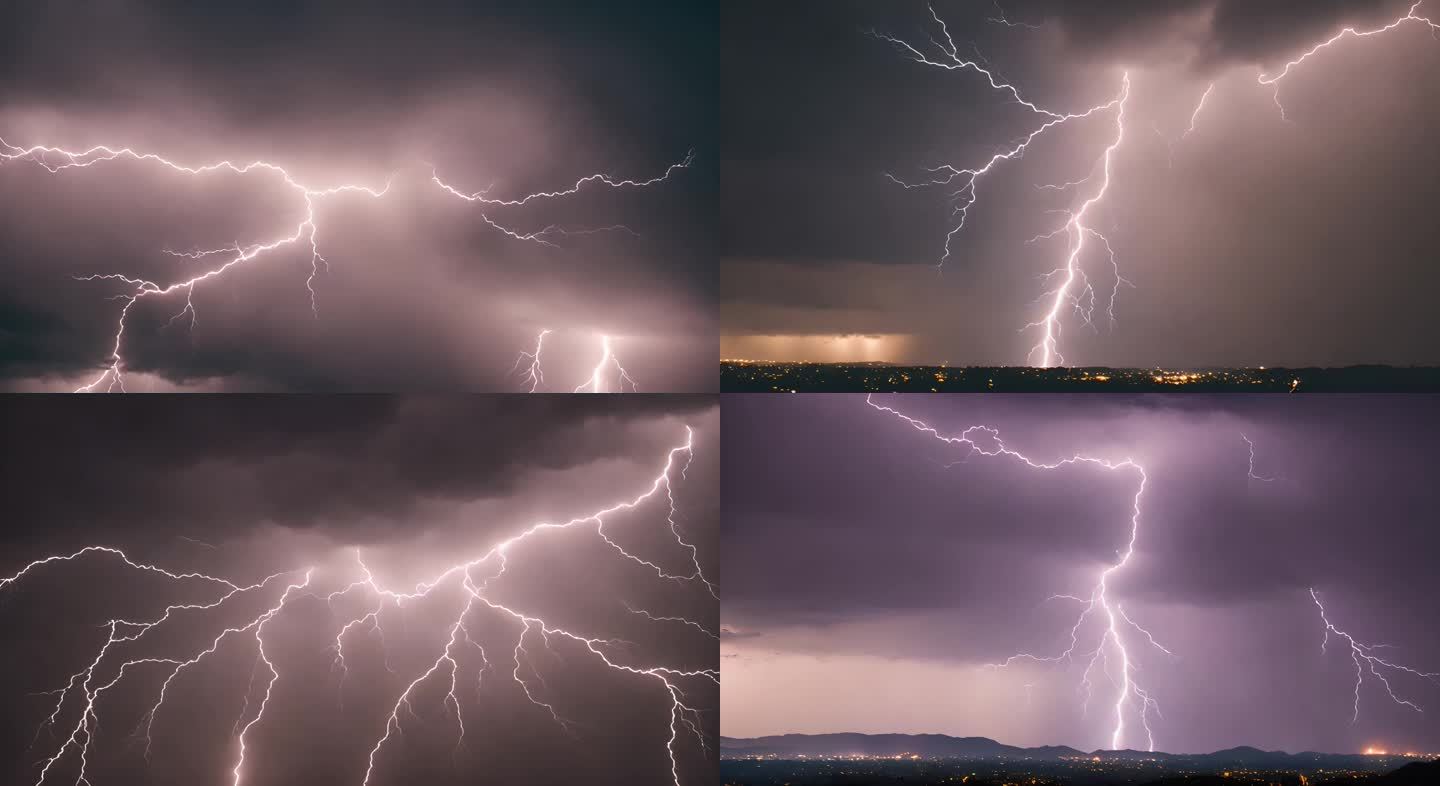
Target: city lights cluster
1071	290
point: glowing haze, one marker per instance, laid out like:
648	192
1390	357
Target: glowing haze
1178	574
390	618
347	219
1194	182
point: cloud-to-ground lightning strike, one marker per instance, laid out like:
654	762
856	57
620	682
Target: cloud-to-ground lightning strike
57	159
966	195
469	581
528	368
597	381
1364	657
533	375
1075	292
1130	695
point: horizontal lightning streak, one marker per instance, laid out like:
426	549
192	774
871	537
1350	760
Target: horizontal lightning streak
56	160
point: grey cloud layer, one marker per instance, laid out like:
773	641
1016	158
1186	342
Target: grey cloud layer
419	294
860	537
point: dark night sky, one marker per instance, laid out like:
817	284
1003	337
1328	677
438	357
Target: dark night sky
868	582
1264	243
421	294
276	484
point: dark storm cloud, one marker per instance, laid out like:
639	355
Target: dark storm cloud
862	538
1246	242
243	487
420	294
163	465
1222	31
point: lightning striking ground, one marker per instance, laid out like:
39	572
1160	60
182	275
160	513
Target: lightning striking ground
608	376
1131	698
1364	657
305	233
470	583
1074	294
598	381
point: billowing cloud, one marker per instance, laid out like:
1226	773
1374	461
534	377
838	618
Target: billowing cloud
873	559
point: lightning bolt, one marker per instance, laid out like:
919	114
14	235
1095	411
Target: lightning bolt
1364	657
1130	695
607	370
1074	292
1251	473
1199	107
1273	80
470	581
965	182
305	233
532	376
1077	231
597	381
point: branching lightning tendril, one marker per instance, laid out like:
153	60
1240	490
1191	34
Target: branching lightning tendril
470	580
1364	657
1074	293
1130	696
58	159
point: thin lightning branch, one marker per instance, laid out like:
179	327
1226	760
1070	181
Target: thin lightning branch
533	375
1364	657
1000	19
1251	473
952	61
682	620
1074	292
305	234
1199	107
473	581
965	184
1130	695
1273	80
1194	119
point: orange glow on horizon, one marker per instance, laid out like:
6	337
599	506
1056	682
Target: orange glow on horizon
819	348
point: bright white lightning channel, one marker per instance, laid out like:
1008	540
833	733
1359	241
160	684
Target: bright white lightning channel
471	581
306	227
1130	695
1071	291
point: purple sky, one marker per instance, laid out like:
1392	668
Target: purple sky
870	578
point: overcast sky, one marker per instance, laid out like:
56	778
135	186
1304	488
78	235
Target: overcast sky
240	488
872	571
1252	241
420	293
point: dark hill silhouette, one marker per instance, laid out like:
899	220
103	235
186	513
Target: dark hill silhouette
875	745
940	746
